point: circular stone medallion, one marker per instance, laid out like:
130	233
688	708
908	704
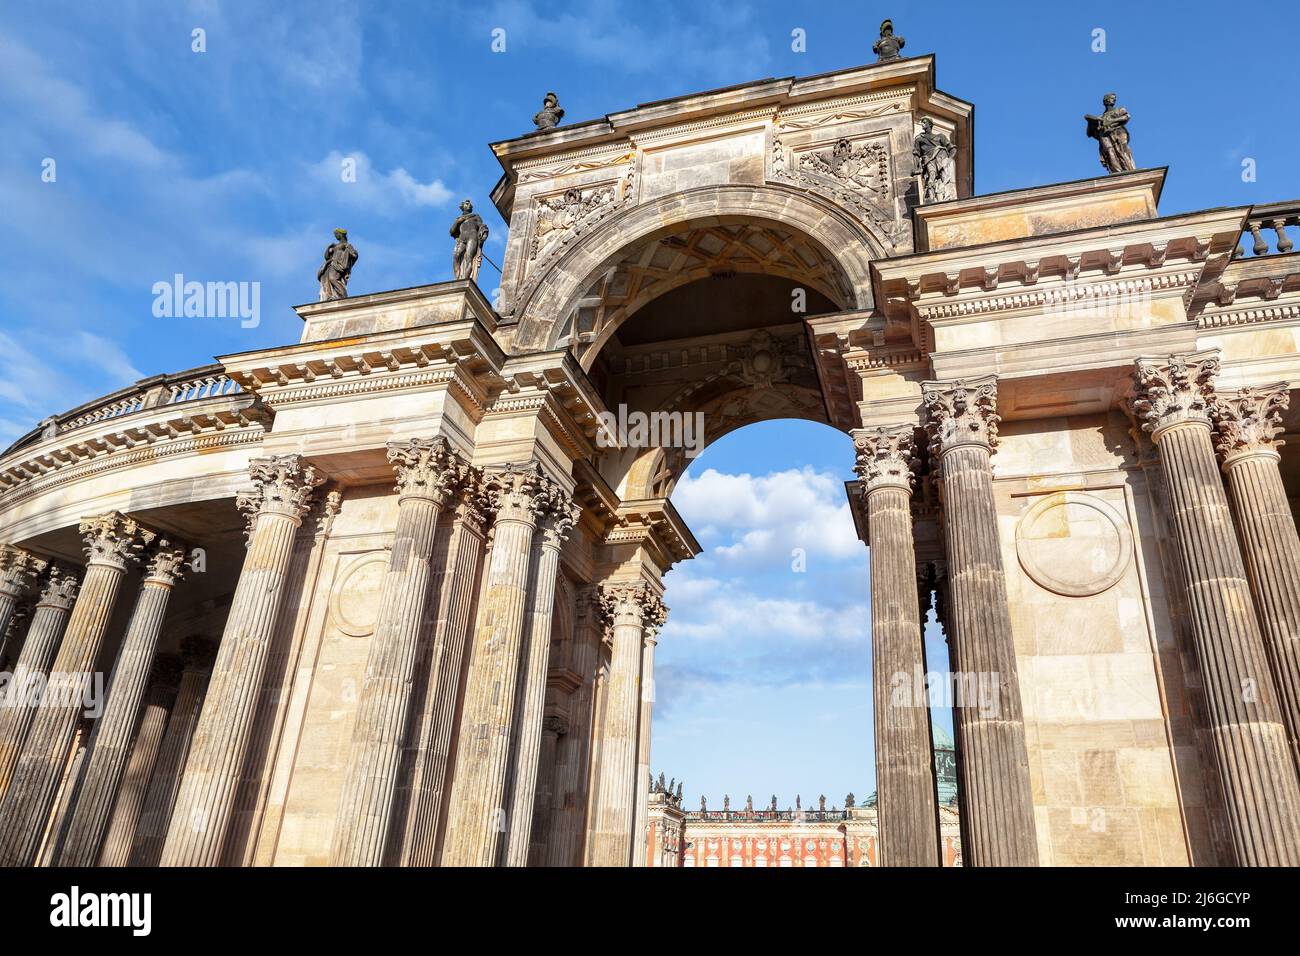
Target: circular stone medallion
355	601
1074	543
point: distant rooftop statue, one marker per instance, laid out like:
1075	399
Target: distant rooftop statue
333	275
888	47
1110	130
470	232
549	116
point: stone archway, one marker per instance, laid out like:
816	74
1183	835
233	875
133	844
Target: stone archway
544	304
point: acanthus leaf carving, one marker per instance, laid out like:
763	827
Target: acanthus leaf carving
960	412
886	456
1175	390
1249	420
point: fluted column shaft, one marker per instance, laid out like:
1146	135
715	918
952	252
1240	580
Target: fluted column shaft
1248	422
628	609
478	813
994	764
640	819
573	749
428	471
905	790
1257	769
199	823
43	634
156	813
120	834
111	746
531	706
437	722
112	541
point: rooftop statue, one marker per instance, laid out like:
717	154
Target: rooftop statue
470	232
934	155
340	257
888	46
1110	130
549	116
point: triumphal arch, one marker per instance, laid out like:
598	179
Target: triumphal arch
391	595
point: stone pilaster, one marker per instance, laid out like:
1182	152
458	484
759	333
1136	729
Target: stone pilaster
1248	423
627	609
112	541
479	808
120	835
1174	399
961	420
19	570
111	747
58	592
904	759
275	509
431	756
156	813
555	526
555	727
428	472
640	821
573	749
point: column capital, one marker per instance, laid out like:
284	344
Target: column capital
886	457
114	539
1175	390
961	412
282	485
632	604
165	563
427	468
523	493
558	522
19	568
1248	421
59	589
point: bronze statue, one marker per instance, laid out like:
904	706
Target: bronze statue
549	116
934	155
774	803
1110	130
821	803
340	257
848	802
888	46
470	232
749	804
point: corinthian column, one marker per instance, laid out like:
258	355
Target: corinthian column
112	541
110	748
997	798
478	813
28	680
905	794
282	496
147	847
558	518
1248	422
573	748
18	571
1258	772
428	471
144	754
628	609
639	822
431	750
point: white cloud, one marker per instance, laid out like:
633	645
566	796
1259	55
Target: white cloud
371	189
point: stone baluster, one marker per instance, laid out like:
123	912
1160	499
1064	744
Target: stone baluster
993	765
908	818
477	816
1260	246
1284	243
654	621
112	541
1248	423
1174	399
573	749
275	509
156	814
58	592
19	569
428	471
456	588
626	609
556	523
122	825
111	747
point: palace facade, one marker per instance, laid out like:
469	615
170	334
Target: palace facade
390	595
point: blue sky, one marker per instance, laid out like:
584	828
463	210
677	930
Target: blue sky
223	166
